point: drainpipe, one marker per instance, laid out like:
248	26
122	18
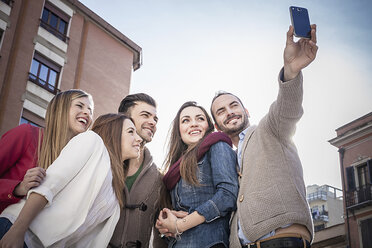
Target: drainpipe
341	151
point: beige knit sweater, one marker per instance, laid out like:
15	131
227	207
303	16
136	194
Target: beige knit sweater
272	191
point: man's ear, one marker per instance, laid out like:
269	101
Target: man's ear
216	126
246	110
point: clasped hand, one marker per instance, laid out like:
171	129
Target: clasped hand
166	222
32	179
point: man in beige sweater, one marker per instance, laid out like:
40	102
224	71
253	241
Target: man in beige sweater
272	207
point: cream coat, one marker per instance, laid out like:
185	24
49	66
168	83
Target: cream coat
71	186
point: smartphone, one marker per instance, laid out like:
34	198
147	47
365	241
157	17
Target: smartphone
300	21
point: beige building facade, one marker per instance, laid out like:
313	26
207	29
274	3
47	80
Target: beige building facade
326	206
47	46
330	237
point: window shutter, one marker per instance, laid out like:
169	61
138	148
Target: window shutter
369	166
350	179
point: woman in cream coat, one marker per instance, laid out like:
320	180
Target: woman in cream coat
77	203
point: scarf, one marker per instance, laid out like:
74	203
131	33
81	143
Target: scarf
173	175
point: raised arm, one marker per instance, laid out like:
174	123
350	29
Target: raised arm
298	55
287	110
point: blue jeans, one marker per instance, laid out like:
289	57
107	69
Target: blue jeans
5	225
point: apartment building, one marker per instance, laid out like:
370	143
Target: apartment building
47	46
354	141
326	204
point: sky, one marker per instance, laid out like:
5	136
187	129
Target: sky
193	48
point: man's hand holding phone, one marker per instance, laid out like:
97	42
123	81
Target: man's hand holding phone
299	54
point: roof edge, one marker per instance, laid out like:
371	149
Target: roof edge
136	49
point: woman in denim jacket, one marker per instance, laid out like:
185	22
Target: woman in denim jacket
202	180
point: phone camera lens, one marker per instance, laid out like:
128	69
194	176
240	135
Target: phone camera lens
299	9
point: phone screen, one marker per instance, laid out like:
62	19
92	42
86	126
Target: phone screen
300	22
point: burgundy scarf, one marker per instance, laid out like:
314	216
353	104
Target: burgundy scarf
173	175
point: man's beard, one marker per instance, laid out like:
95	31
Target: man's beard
238	129
144	137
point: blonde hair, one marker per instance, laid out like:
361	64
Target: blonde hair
56	133
110	127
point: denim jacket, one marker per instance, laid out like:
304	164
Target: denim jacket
215	198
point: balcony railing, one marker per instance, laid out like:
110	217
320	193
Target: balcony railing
318	228
35	79
54	31
320	217
360	197
319	195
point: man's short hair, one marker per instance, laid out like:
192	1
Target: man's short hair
218	94
131	100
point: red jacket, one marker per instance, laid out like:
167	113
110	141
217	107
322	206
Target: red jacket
18	153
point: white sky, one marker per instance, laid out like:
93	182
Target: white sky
192	48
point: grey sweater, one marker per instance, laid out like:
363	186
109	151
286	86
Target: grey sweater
272	191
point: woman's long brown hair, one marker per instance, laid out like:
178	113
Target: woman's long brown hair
56	133
177	148
110	127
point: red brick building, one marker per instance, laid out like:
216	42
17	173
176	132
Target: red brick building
354	141
47	46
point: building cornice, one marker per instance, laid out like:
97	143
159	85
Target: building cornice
137	50
339	141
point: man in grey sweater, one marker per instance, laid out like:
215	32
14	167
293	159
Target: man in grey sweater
272	207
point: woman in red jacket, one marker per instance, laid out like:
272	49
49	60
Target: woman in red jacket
24	147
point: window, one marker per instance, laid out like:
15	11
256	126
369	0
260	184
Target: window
315	212
25	121
31	118
364	183
362	175
55	21
359	183
44	73
1	36
350	178
366	230
8	2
